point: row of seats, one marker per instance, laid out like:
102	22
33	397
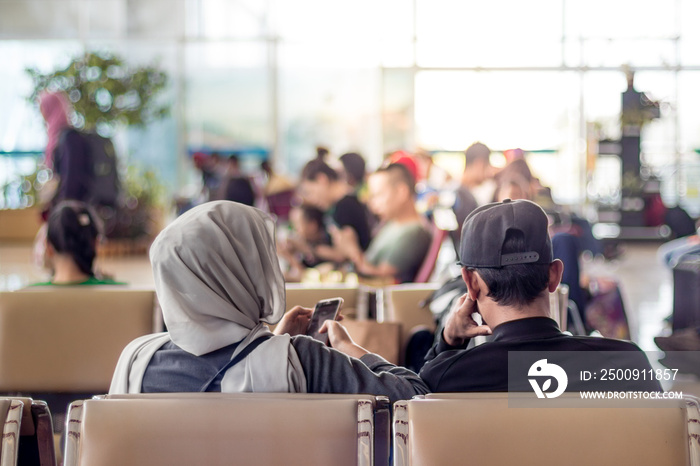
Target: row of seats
304	429
68	340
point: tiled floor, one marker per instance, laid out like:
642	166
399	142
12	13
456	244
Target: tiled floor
647	290
17	269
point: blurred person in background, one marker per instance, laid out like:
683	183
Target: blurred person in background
66	152
399	247
211	168
55	108
273	182
309	232
218	282
84	163
514	187
235	186
276	192
477	176
354	167
516	179
569	233
322	187
408	160
72	233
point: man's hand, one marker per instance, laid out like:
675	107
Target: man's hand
295	321
340	339
460	325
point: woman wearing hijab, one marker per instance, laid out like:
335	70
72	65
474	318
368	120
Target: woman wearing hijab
218	282
66	151
55	109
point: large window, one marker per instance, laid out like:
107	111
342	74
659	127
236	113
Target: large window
281	77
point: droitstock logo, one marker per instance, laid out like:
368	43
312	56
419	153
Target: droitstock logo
547	371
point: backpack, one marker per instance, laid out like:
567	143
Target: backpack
104	186
101	186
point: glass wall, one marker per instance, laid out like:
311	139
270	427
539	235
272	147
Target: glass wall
275	78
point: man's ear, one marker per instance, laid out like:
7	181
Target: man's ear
472	282
556	269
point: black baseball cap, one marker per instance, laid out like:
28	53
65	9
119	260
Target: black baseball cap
484	232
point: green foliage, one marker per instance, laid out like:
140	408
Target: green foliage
143	187
105	91
138	215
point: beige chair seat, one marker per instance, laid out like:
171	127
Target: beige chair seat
221	429
482	429
300	294
68	340
403	304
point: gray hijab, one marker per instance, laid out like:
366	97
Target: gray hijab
218	280
217	275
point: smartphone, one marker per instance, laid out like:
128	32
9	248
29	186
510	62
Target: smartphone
327	309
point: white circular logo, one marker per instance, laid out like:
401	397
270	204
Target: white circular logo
542	368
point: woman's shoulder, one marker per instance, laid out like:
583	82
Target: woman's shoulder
102	281
90	281
32	285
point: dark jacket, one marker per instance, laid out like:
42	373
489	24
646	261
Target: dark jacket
72	165
172	369
485	368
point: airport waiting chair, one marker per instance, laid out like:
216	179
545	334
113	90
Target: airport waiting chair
406	304
559	305
427	267
62	344
68	340
221	429
11	415
301	294
447	429
381	408
36	441
382	338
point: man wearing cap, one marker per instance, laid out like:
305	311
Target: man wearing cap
507	265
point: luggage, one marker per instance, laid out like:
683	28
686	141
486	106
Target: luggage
100	180
104	186
686	291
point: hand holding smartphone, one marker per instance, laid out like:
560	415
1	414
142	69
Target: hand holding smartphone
326	309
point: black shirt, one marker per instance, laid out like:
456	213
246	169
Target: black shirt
484	368
349	211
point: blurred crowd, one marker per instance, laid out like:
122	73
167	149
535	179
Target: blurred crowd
386	226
